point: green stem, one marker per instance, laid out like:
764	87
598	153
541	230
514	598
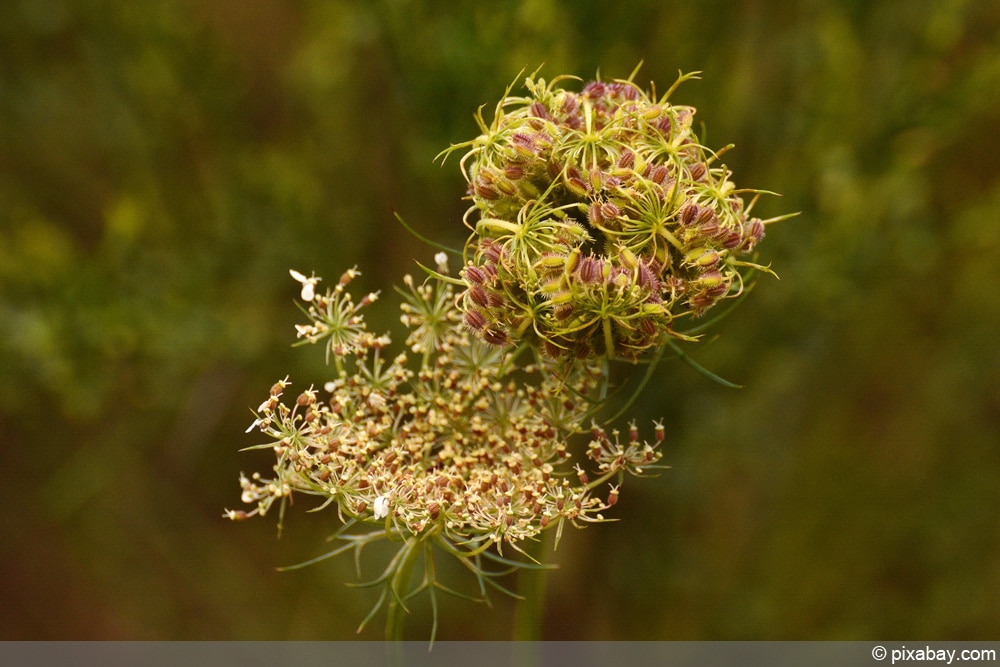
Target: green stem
530	610
399	587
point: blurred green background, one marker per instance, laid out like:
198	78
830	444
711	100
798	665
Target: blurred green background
163	164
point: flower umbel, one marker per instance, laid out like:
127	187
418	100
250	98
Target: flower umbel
599	220
467	450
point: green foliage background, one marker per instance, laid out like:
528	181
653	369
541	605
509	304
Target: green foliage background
163	164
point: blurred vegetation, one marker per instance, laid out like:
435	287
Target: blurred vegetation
163	164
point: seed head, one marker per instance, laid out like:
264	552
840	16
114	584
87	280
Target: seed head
617	179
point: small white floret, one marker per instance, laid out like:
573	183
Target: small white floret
308	284
381	508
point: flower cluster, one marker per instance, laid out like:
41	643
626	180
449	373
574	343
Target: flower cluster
469	447
598	221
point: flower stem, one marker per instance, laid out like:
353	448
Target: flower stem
530	609
399	587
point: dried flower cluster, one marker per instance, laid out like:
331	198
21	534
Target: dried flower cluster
462	447
598	221
466	450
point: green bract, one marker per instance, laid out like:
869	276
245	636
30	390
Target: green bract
598	221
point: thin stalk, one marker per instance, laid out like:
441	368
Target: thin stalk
531	583
399	586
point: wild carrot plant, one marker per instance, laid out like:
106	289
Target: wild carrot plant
599	226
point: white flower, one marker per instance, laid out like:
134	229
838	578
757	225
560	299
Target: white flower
305	330
308	284
441	259
381	508
376	401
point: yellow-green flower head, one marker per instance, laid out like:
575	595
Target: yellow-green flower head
598	220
